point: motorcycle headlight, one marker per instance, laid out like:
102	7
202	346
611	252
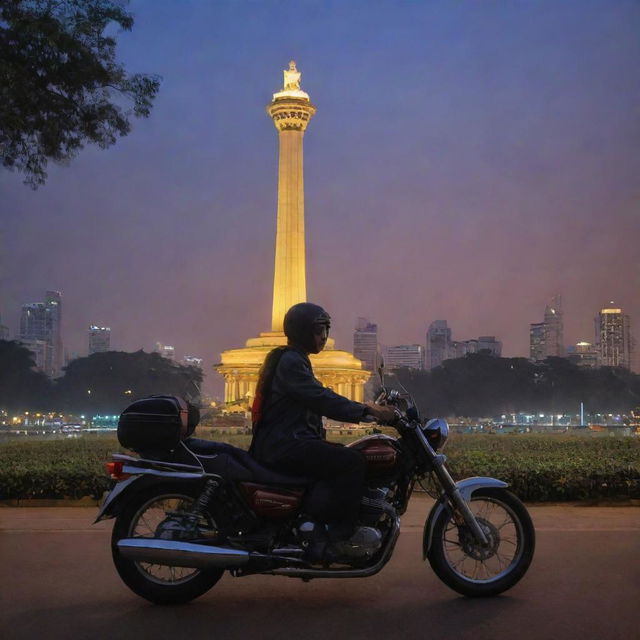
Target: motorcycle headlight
436	431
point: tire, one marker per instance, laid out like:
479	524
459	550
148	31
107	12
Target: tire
475	571
157	583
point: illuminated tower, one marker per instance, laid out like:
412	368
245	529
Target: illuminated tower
291	110
613	337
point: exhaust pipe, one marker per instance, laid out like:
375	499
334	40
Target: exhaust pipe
181	554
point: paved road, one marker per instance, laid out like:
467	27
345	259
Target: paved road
57	581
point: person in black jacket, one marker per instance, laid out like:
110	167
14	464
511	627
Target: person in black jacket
287	415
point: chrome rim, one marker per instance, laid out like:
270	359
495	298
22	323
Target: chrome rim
480	564
145	524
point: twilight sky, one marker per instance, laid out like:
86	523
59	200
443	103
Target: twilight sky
468	161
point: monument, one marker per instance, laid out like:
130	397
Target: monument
291	111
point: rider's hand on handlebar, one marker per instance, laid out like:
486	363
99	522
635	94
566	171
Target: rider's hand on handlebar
382	413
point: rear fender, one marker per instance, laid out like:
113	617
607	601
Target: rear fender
113	500
467	487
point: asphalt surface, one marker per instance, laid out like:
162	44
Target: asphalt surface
58	581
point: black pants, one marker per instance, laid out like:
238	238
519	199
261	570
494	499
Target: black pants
340	472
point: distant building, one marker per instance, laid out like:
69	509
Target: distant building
192	361
41	321
537	335
365	343
554	342
99	339
584	354
405	355
484	344
546	338
490	345
40	351
613	338
165	350
438	344
4	331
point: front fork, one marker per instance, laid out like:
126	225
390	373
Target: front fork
459	501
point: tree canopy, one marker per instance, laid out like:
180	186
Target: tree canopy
21	386
482	385
108	382
103	383
61	86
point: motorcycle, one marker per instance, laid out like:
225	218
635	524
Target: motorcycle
186	510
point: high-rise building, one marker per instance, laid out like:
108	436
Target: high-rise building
410	356
42	321
99	339
438	344
537	336
365	343
554	340
39	350
613	337
546	338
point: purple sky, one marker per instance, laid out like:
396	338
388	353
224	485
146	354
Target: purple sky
468	161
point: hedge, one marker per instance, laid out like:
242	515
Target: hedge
538	468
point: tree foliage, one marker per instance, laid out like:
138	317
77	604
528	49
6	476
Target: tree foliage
482	385
103	383
108	382
60	84
22	388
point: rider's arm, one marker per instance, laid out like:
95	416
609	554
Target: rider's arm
296	377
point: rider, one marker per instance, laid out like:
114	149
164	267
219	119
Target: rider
287	422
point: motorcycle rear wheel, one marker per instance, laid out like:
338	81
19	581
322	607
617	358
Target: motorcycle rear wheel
140	517
476	571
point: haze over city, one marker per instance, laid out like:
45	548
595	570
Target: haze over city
468	161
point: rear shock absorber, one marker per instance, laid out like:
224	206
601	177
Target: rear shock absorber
202	502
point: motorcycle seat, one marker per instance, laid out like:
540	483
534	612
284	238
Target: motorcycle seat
259	473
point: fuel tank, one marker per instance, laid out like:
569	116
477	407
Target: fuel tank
379	451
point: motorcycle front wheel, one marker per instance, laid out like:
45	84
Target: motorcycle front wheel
148	515
477	570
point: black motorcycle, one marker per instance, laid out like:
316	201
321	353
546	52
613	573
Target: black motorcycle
186	510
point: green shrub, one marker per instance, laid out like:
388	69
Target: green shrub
537	467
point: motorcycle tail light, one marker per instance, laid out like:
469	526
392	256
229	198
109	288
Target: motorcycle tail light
114	469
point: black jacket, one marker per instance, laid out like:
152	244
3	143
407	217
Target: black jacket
294	407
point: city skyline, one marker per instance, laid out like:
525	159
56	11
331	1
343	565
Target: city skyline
618	343
481	162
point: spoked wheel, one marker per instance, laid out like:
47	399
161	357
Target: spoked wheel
473	569
157	514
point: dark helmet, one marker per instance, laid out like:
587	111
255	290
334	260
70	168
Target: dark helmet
301	323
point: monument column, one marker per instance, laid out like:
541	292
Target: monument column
291	111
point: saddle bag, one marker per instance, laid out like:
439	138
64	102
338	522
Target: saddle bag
156	423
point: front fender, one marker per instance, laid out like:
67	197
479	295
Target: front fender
466	487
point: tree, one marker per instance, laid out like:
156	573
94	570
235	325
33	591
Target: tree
22	388
60	84
108	382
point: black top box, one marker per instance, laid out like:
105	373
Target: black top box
157	423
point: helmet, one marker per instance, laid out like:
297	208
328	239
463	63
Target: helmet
301	323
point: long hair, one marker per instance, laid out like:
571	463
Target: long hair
265	379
